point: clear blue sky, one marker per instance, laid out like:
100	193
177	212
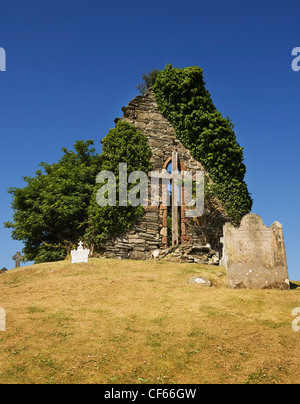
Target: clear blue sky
72	65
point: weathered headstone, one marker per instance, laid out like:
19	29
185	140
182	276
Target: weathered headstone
254	255
3	270
80	255
17	258
137	255
200	280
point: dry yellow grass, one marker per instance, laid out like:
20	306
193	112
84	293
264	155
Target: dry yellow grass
134	322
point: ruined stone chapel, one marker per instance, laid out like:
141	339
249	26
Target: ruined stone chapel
150	235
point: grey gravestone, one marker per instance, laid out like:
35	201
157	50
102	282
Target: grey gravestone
254	255
80	255
200	280
137	255
17	258
3	270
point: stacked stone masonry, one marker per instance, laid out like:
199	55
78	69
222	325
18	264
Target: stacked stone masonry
150	232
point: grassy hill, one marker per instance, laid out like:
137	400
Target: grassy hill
113	321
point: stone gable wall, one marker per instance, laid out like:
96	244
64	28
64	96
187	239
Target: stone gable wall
143	113
150	231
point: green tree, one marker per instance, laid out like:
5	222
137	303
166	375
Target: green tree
123	144
51	211
148	81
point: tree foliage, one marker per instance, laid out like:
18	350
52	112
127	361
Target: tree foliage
51	211
123	144
183	99
148	81
58	207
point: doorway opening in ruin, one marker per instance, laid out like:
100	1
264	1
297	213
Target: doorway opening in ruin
174	220
174	230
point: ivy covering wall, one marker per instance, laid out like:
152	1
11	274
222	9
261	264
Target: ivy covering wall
183	99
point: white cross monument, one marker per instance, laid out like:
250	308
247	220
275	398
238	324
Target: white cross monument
80	255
